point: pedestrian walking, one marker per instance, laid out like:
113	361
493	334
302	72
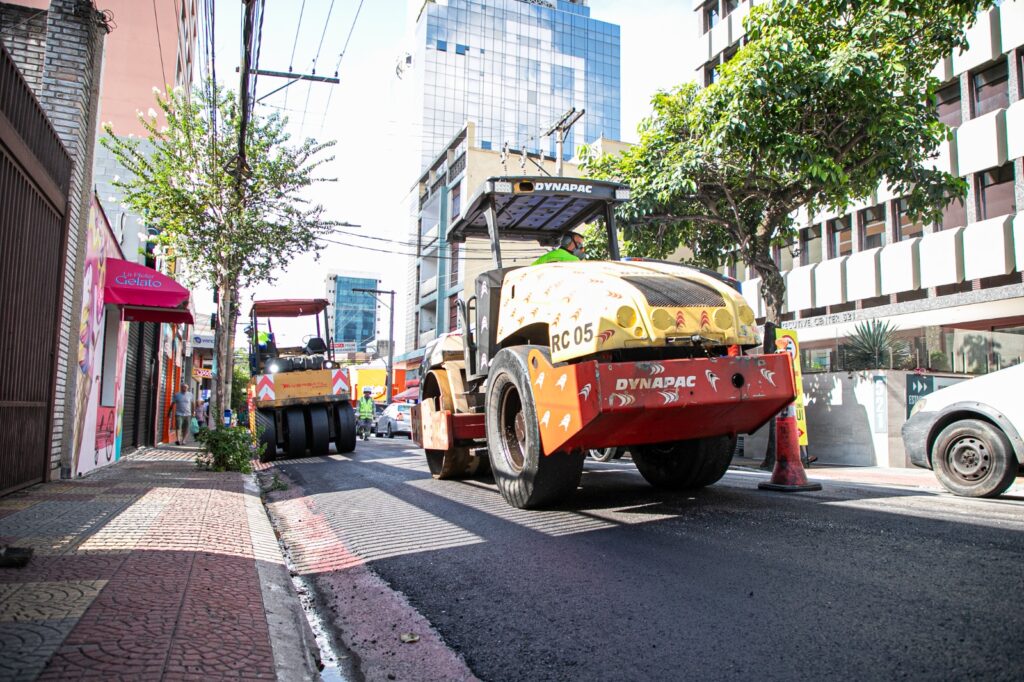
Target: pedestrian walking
203	413
181	407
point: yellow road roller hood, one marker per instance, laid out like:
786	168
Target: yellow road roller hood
594	306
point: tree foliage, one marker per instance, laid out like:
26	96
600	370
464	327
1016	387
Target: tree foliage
825	101
233	227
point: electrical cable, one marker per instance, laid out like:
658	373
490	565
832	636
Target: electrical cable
462	247
309	90
159	46
337	65
291	60
425	256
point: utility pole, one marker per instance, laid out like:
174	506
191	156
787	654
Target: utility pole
561	127
391	336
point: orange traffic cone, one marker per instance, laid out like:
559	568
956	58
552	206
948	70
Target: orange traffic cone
788	475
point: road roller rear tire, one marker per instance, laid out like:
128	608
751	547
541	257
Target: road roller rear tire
685	464
345	428
266	427
319	430
295	432
525	476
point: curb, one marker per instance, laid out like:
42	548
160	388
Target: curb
296	654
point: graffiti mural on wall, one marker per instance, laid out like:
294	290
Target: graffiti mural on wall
97	436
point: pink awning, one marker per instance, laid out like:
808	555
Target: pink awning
144	294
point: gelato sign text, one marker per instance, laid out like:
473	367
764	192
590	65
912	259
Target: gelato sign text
138	280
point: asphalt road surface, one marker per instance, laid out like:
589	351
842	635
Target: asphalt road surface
625	582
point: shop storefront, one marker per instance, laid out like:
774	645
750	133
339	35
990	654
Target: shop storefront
115	293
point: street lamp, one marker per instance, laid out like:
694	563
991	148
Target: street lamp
391	335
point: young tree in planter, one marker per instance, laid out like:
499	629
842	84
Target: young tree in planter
825	101
231	234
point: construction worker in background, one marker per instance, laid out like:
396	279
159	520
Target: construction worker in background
365	410
570	248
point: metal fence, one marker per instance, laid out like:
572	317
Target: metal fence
35	172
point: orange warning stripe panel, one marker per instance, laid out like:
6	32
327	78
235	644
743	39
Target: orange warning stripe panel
565	397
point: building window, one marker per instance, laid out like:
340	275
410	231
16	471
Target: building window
872	227
461	49
729	6
840	237
995	189
947	102
442	46
456	204
907	227
784	256
810	245
953	215
710	74
453	269
453	313
711	16
991	88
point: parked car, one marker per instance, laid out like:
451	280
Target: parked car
969	434
394	419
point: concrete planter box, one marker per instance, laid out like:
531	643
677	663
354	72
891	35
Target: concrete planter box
853	418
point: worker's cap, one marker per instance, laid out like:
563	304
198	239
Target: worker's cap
366	390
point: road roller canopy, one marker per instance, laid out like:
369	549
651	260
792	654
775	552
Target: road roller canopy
540	209
288	307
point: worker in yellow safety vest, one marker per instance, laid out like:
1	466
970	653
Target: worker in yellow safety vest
365	411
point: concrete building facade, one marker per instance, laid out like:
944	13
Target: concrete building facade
954	289
440	271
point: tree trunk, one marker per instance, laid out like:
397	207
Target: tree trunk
222	351
773	290
229	337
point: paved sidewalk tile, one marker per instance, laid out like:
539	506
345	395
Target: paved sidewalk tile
149	569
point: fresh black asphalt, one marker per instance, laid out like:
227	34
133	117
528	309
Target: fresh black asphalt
624	582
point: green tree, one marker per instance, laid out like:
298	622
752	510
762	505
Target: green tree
232	227
239	385
825	101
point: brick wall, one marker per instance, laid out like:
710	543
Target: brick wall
60	51
23	31
70	96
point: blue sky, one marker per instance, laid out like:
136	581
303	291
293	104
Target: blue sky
374	163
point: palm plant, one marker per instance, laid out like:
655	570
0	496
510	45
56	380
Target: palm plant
873	345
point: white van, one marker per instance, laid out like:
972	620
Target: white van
969	434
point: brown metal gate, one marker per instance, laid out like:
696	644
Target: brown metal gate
35	172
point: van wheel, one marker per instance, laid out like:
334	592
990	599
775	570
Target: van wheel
973	458
604	454
525	477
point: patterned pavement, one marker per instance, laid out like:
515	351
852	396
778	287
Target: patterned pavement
149	569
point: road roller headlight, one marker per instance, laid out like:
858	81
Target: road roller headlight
328	364
626	317
273	368
662	320
723	318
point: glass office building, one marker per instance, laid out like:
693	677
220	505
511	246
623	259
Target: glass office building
513	67
352	315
